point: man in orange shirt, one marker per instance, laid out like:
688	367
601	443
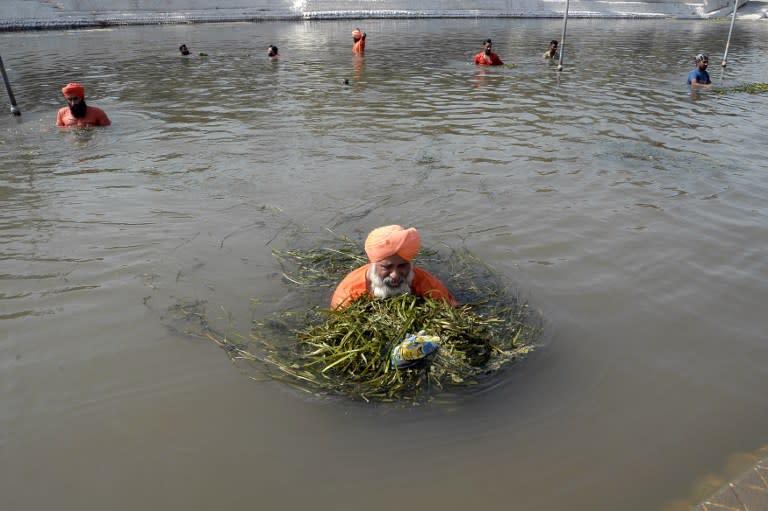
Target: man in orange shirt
358	46
390	272
77	113
487	57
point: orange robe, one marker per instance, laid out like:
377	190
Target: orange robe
355	285
93	117
358	47
481	59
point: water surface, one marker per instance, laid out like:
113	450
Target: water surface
629	212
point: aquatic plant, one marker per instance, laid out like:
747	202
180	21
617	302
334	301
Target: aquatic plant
749	88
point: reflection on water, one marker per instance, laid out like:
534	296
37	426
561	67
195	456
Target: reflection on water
629	212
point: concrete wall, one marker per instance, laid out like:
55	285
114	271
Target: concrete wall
93	9
647	8
163	5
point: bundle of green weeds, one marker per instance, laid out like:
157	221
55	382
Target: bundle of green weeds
749	88
347	351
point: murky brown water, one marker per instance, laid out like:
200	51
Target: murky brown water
631	214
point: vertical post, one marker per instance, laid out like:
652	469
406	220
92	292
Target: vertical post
730	31
562	39
14	108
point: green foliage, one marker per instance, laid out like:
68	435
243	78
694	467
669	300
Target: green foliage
749	88
347	351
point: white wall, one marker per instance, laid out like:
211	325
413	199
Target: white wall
317	8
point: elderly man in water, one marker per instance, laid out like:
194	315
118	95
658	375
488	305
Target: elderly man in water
390	272
77	113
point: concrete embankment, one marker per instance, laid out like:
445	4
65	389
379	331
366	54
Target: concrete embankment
67	14
747	492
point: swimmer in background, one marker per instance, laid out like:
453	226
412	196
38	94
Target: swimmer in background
358	46
272	51
183	49
699	77
551	53
487	57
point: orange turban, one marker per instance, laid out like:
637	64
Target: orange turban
390	240
74	89
356	34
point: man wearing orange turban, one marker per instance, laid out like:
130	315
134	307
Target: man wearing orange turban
390	272
358	45
77	113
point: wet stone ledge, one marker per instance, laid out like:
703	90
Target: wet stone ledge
749	492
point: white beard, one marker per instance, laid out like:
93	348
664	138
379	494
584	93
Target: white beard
379	286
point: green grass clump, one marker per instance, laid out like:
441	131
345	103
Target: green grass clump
749	88
347	351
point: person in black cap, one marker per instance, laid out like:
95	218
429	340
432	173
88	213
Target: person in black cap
272	51
699	77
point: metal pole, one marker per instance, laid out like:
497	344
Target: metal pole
14	108
562	39
730	31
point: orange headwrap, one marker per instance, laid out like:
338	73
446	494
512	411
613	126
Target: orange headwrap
390	240
74	89
356	34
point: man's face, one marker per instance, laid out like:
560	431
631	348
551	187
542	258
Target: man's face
393	270
390	277
76	106
702	64
488	47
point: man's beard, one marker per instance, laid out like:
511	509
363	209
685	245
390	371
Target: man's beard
78	110
381	288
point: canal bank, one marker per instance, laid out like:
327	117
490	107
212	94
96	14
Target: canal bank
69	14
746	492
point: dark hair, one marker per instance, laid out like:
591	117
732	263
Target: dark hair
182	47
273	49
553	41
487	41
